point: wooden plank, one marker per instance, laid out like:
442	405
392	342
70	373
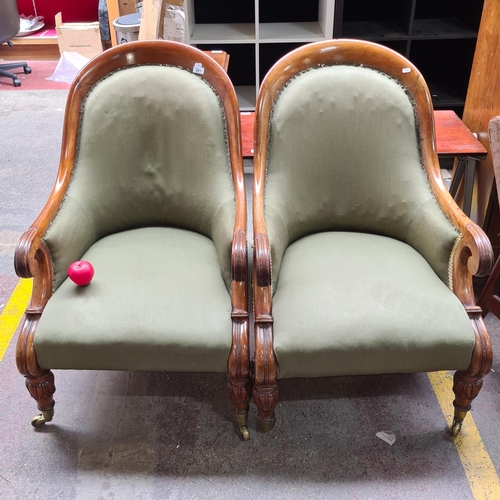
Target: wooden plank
483	102
113	13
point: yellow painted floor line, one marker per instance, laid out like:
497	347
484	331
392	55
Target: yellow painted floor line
481	474
13	312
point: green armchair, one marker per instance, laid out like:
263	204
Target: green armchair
363	261
151	191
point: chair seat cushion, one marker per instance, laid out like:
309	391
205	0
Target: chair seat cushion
157	303
353	304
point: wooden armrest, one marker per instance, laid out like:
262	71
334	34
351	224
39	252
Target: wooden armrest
473	256
25	263
239	261
262	261
262	288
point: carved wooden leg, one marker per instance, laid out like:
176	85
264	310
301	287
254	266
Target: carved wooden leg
468	383
239	381
42	389
39	382
265	390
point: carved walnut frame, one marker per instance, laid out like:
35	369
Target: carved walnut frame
32	258
472	256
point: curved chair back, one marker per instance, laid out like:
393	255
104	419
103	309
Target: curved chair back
149	142
364	170
9	20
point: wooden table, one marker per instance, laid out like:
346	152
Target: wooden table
453	140
220	57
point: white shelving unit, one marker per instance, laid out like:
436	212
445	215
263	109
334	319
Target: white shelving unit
257	43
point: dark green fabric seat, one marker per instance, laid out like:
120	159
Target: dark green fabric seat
157	303
353	304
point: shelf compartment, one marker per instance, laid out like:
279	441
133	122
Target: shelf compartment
223	11
247	95
270	53
288	11
374	19
241	70
442	28
290	32
372	30
444	95
227	33
466	13
445	65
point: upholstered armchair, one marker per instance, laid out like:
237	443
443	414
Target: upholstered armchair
150	191
363	261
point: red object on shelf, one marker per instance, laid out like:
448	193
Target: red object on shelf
72	12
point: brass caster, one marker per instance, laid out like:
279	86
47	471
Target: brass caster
245	433
456	427
242	418
45	416
267	425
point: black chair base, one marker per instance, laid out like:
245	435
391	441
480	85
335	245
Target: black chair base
5	66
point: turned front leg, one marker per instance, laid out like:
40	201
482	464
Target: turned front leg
468	383
39	381
265	390
42	389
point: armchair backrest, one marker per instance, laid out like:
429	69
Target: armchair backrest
149	142
345	143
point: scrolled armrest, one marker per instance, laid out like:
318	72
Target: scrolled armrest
25	263
474	252
472	256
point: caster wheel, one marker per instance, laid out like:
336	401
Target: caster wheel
27	70
16	82
37	421
456	427
40	419
245	433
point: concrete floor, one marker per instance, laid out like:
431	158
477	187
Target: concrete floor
119	435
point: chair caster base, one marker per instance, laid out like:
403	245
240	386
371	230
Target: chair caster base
242	419
458	420
456	426
45	416
245	433
267	425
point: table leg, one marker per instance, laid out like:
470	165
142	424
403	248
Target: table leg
458	175
470	172
466	170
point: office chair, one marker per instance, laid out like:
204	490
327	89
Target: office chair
9	27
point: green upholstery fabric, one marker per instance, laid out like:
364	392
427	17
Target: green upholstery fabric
344	156
157	303
353	304
152	151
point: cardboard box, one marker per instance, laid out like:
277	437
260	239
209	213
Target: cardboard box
163	20
84	38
